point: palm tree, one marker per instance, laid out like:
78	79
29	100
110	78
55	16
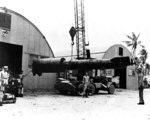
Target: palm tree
143	54
133	42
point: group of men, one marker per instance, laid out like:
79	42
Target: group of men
4	77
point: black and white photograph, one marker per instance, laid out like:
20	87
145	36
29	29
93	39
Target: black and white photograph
74	60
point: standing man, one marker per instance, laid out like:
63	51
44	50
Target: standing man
21	78
5	75
141	71
86	81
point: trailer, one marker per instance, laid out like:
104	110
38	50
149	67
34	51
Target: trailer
73	85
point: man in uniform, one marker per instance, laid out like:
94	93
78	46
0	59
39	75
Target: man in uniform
86	81
5	75
20	81
141	73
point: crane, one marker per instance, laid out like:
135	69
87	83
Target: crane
80	28
73	84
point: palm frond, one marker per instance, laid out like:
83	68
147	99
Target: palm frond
133	36
128	43
142	46
134	46
139	42
138	36
134	42
129	37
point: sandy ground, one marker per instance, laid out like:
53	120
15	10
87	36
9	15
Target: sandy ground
49	106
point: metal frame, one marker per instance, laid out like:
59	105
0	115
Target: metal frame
80	28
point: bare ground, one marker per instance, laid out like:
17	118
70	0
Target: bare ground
49	106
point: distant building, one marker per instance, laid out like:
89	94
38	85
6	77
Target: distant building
128	76
20	42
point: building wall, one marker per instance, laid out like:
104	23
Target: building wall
132	82
26	34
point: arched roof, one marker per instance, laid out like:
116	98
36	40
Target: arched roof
11	11
118	45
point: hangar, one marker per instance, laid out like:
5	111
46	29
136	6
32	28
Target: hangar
20	42
127	75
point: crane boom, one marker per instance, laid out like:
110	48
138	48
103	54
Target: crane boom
80	28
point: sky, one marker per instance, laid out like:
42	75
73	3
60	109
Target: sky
107	22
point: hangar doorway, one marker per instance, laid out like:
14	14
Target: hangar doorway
122	74
11	55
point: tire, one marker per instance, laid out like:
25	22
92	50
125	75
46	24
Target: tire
20	92
1	103
91	89
80	89
63	92
14	100
111	89
20	95
96	91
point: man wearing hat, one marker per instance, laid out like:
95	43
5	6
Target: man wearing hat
5	75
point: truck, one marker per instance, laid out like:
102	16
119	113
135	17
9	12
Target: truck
74	85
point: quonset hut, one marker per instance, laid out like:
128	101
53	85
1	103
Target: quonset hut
20	42
128	76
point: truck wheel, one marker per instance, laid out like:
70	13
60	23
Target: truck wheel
14	100
111	89
63	92
20	92
96	91
80	89
91	89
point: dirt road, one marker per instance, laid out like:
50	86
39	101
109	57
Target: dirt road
42	106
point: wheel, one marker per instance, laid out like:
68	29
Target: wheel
111	89
14	100
21	95
63	92
20	92
1	102
96	91
80	89
91	89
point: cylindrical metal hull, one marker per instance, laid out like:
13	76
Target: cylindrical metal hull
47	65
